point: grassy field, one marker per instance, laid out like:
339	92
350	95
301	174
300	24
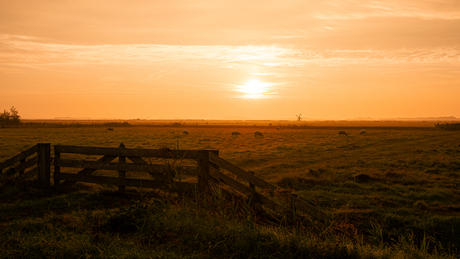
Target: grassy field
393	193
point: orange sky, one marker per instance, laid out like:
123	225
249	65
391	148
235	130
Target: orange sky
230	59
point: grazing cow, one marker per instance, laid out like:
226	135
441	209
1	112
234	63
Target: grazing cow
235	133
342	133
363	131
110	129
185	132
258	133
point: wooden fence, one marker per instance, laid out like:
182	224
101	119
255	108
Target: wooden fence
254	182
36	157
129	160
163	172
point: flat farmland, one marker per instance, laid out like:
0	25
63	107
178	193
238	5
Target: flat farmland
280	153
392	185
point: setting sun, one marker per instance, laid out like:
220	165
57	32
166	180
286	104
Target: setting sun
254	89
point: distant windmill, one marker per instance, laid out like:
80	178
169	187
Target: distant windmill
298	117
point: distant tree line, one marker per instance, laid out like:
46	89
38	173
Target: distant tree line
10	117
71	124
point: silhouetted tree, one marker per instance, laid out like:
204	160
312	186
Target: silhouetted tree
5	117
15	117
10	117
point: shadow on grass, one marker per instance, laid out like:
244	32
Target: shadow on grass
30	201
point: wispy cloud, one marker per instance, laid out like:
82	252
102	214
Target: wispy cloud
425	9
38	55
156	76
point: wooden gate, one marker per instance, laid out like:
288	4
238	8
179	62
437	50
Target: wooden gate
160	176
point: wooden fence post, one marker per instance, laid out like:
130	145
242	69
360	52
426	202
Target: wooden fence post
203	167
57	169
215	152
44	151
252	186
23	161
121	174
256	196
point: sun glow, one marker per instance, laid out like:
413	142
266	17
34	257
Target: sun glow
254	89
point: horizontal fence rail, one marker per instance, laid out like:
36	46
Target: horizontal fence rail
108	180
129	152
36	157
116	166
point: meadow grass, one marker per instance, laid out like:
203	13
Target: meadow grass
392	193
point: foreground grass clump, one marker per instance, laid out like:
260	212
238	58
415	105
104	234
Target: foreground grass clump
385	214
106	225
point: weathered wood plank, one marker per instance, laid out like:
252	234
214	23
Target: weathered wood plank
19	157
104	159
44	155
30	173
203	174
86	171
107	180
122	174
252	186
21	167
309	209
57	169
129	167
132	152
25	175
137	160
230	182
22	162
105	166
29	163
184	170
181	187
240	172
